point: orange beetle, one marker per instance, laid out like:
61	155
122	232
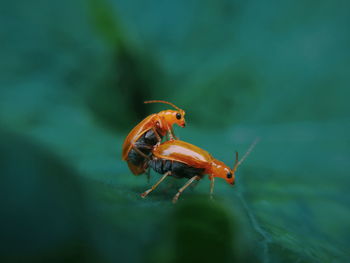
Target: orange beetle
181	159
140	141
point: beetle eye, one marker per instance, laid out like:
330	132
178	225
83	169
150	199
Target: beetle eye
229	175
178	116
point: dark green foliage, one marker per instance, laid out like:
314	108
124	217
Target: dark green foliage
43	209
73	76
204	231
133	75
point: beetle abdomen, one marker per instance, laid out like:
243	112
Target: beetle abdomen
145	145
178	169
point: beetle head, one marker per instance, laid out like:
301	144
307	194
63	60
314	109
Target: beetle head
219	169
171	117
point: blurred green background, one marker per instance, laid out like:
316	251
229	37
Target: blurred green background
74	75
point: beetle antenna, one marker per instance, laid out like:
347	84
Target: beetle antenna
162	101
238	163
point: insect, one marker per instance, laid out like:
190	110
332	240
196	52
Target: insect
139	143
183	160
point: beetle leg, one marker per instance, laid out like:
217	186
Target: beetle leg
194	185
171	134
144	194
176	197
211	187
139	152
156	134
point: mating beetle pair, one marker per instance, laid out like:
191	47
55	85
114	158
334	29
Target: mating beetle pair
143	149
